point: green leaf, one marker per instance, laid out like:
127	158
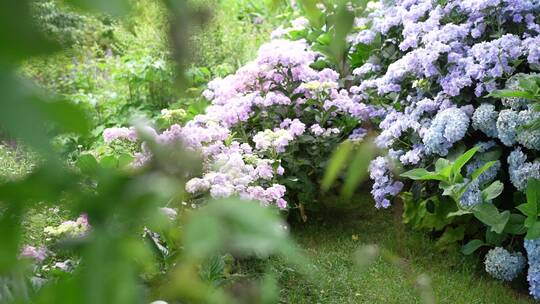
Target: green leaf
443	167
422	174
462	160
488	214
336	164
20	35
528	210
528	84
459	213
358	168
472	246
312	12
492	191
516	224
109	162
533	232
124	160
430	214
450	236
533	194
87	163
481	170
511	94
494	238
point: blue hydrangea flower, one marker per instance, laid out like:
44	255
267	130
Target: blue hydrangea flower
533	255
520	170
507	123
383	183
448	127
528	137
472	196
533	277
484	146
504	265
487	176
485	119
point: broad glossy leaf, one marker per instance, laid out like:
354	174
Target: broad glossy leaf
443	167
422	174
533	195
87	163
488	214
533	232
492	191
516	224
462	160
511	94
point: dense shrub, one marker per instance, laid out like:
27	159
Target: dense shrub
273	123
434	67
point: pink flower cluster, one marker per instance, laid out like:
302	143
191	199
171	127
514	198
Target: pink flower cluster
39	254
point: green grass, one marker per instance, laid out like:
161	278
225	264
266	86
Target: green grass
330	246
14	162
235	31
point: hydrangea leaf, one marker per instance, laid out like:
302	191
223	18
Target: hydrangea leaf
422	174
492	191
533	195
488	214
450	236
462	160
443	167
472	246
494	238
516	225
511	94
533	232
482	169
87	163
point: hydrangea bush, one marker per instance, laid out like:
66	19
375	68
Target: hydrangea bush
269	129
436	69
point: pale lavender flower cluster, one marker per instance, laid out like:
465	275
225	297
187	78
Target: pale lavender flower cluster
446	56
39	254
256	114
112	134
384	185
